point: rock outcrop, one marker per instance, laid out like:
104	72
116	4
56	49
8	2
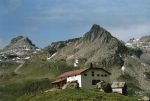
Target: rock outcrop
104	87
72	85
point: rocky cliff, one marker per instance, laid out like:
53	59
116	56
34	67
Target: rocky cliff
97	46
19	46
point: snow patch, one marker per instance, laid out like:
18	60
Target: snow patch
34	52
75	65
18	58
123	68
133	56
27	58
120	55
128	44
27	49
38	49
51	56
143	64
13	59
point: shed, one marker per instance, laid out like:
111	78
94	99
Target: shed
119	87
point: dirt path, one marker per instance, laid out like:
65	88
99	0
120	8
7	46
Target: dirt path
16	70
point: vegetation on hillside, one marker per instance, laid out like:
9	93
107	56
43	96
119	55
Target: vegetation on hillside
10	90
35	75
7	66
132	83
75	95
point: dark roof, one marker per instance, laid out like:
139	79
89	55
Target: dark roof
96	68
59	80
72	73
76	72
79	71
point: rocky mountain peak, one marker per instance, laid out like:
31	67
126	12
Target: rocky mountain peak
19	45
95	28
20	41
14	40
97	32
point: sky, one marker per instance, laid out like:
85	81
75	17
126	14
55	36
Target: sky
46	21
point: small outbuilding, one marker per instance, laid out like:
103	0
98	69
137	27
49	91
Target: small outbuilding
119	87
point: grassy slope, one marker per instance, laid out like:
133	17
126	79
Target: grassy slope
8	66
75	95
30	78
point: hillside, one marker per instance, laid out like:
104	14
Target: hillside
35	75
75	95
103	50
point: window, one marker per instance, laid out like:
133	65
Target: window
85	74
97	74
94	82
102	75
105	75
92	73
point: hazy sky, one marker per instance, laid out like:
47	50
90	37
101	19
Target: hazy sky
45	21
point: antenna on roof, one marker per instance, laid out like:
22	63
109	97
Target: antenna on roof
91	65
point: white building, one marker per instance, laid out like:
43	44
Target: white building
119	87
86	77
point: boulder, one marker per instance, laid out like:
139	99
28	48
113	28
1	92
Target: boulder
72	85
104	87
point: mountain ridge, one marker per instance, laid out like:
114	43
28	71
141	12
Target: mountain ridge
94	42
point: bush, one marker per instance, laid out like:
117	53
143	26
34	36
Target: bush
39	85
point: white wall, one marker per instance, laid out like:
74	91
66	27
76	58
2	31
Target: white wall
86	81
117	90
73	78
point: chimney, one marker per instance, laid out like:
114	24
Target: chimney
91	65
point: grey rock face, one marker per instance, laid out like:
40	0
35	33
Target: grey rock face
97	32
97	46
56	46
145	38
19	46
144	44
